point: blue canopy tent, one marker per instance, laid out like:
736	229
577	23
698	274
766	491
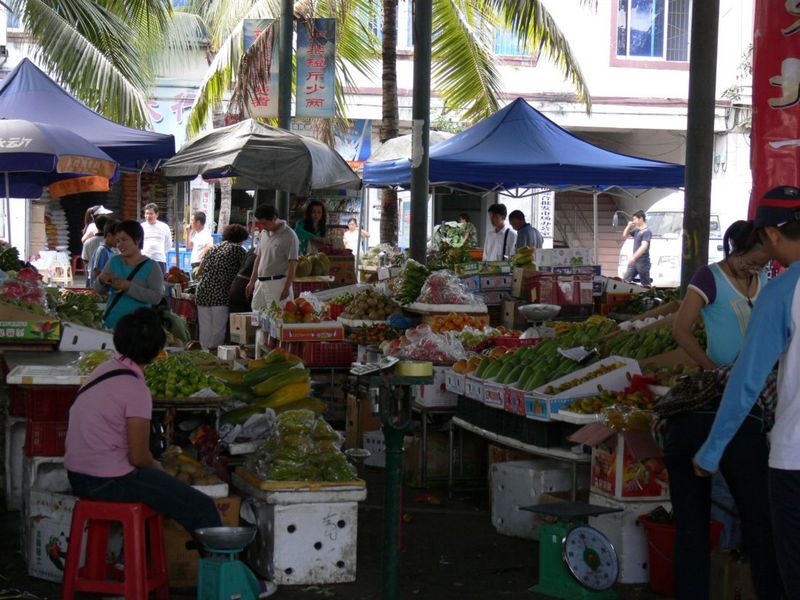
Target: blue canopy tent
28	93
518	147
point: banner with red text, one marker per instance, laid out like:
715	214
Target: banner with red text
316	64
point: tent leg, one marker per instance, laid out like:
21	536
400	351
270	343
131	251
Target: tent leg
8	210
594	227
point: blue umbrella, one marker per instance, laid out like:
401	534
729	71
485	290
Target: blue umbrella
33	155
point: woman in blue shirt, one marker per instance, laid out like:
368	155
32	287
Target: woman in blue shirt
723	294
130	279
313	226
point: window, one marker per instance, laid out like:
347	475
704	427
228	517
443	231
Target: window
653	29
507	44
405	28
12	20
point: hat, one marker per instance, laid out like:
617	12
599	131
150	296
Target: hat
778	206
101	210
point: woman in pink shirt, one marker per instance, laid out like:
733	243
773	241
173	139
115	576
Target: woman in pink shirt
107	446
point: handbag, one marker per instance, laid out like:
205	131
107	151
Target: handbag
691	393
121	293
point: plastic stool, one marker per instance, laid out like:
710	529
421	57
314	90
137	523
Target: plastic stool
78	266
139	522
61	274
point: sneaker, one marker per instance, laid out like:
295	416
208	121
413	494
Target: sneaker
266	588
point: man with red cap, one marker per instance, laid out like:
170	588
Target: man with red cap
770	337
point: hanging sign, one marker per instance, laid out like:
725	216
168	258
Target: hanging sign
265	103
775	150
544	216
316	62
78	185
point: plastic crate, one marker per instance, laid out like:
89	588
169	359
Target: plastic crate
186	260
184	308
324	354
41	403
45	438
334	310
298	287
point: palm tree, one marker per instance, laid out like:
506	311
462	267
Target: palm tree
107	52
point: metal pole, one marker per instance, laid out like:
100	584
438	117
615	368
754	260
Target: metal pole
8	210
420	128
285	88
594	227
699	138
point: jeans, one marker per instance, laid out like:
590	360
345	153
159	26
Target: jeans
640	267
744	466
190	508
784	490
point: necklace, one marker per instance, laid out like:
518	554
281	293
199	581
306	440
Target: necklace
738	279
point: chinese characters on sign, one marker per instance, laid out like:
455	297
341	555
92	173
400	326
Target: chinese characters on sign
265	104
316	58
545	209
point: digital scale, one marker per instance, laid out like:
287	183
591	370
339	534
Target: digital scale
576	562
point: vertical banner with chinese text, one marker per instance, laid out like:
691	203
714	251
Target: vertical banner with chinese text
775	150
316	62
265	104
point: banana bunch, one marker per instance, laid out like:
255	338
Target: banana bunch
410	282
524	258
604	323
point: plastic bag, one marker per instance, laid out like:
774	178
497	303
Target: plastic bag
340	470
323	431
299	422
421	343
444	287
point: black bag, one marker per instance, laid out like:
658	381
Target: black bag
692	392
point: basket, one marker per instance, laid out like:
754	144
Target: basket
43	403
45	438
324	354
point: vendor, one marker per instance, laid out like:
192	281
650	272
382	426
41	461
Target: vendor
157	236
276	260
470	232
351	236
313	226
107	447
199	239
500	239
130	279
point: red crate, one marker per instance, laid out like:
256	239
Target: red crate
298	287
41	403
184	308
334	310
513	342
45	438
324	354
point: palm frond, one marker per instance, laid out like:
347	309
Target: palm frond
184	35
224	16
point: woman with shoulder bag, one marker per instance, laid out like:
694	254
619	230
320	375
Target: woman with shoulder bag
130	279
723	294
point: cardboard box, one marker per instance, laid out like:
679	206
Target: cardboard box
359	419
343	269
182	561
626	465
436	393
562	257
545	289
731	578
17	324
242	329
512	318
326	331
617	285
48	517
493	298
522	282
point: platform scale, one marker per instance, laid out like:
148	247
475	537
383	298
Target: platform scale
576	562
221	576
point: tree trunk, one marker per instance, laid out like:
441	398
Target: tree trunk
390	124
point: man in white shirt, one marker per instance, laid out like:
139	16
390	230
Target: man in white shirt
276	260
200	240
501	240
157	237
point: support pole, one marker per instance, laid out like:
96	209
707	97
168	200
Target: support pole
285	88
699	138
420	129
594	227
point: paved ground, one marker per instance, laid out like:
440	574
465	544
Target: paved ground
450	551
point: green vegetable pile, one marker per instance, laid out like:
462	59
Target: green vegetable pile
77	307
177	377
9	258
90	360
648	300
410	281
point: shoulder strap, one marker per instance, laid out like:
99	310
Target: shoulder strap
505	242
103	377
120	294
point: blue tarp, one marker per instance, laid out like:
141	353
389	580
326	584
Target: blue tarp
28	93
518	147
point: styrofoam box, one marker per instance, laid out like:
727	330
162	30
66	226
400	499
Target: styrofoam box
78	338
45	375
520	483
376	444
46	533
454	382
306	544
494	394
616	380
626	534
473	388
495	282
435	394
14	452
43	473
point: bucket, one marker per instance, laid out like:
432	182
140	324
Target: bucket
660	547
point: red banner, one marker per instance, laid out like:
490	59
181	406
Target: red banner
775	150
78	185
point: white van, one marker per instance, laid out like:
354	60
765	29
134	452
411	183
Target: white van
665	221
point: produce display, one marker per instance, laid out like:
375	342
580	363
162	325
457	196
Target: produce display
448	257
9	258
456	322
465	366
90	360
313	265
648	300
299	311
370	304
602	370
627	418
670	374
562	327
303	447
408	284
345	299
640	345
421	343
524	258
78	307
176	276
373	334
23	289
606	398
639	323
177	377
384	254
473	337
444	287
185	468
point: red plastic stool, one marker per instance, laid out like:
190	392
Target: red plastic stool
138	578
78	265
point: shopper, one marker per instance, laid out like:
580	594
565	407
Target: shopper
217	272
351	235
130	279
500	239
770	337
107	446
527	235
90	228
313	226
102	253
238	299
157	237
639	262
90	245
723	294
199	239
276	260
470	233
